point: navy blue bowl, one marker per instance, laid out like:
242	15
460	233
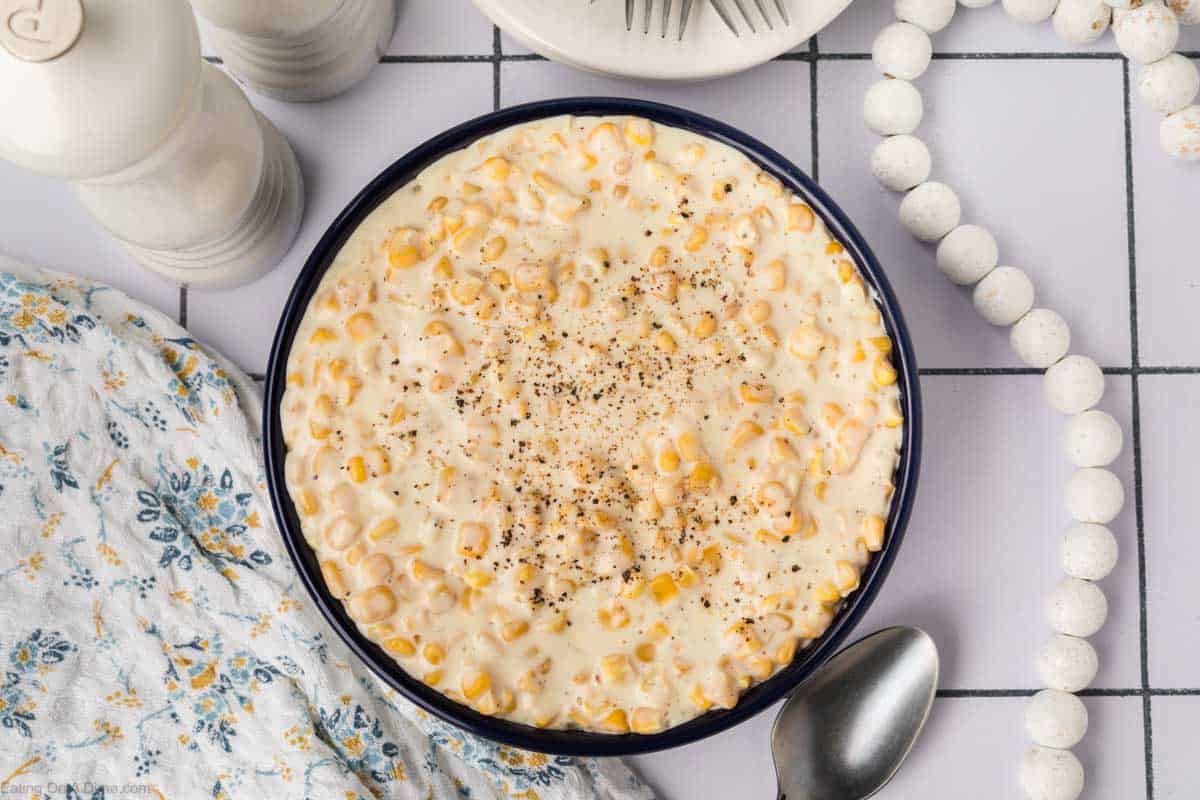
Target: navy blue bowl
567	742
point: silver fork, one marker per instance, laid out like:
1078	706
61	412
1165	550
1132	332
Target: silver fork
727	18
684	13
720	7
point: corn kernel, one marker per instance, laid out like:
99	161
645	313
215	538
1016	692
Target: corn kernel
706	326
847	577
614	669
756	393
514	630
385	529
398	645
668	461
746	431
872	532
826	593
647	720
883	372
615	722
474	683
699	700
800	218
477	578
702	477
665	342
663	588
644	652
357	469
308	503
696	239
322	336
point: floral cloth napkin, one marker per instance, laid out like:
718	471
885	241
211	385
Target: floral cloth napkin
154	638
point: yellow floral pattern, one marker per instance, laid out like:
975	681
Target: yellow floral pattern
149	602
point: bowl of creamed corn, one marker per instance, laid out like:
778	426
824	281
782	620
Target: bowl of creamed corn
592	426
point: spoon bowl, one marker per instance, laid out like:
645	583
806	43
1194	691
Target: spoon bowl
843	734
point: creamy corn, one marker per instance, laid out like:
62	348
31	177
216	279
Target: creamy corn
592	425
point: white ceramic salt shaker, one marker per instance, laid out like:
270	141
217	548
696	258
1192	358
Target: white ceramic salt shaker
300	50
164	150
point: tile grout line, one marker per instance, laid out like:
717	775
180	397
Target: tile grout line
497	57
811	56
814	51
1136	412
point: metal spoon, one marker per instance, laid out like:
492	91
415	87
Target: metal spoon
843	734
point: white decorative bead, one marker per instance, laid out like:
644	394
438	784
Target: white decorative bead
967	254
1170	84
1094	495
1076	608
1004	295
1050	774
1056	719
1187	11
1146	32
928	15
1074	384
1092	439
893	106
930	211
902	50
901	162
1081	21
1067	663
1030	10
1088	552
1179	134
1040	338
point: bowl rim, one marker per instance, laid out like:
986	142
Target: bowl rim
572	742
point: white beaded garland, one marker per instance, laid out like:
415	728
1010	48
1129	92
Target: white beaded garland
1170	84
1094	495
1004	295
928	15
1146	32
967	254
1029	11
1074	384
901	162
930	211
1040	338
1081	21
1051	774
1056	719
1179	134
1088	552
893	106
1067	663
1076	608
1092	439
902	50
1188	11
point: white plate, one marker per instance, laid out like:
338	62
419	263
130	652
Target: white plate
592	36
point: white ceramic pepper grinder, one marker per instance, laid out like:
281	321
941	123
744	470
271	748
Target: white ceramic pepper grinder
163	148
300	50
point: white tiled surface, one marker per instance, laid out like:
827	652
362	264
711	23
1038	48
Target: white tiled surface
1036	144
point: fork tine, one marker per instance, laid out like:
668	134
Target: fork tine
684	13
762	9
646	20
723	12
783	12
745	14
629	15
666	17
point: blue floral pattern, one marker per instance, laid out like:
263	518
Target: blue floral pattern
148	598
